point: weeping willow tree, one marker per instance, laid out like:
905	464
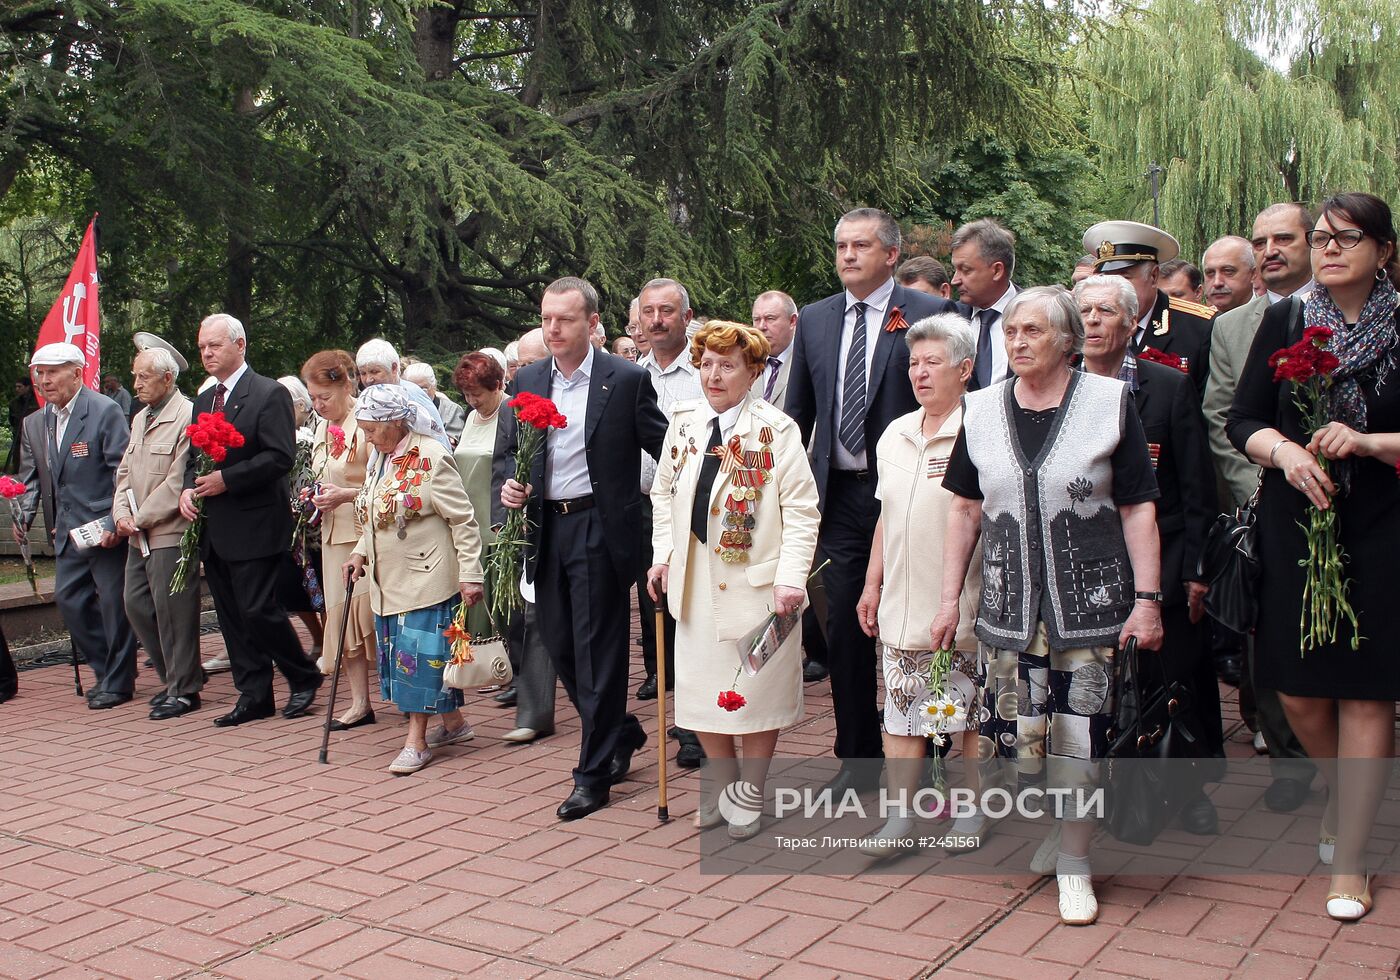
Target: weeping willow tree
1244	103
423	168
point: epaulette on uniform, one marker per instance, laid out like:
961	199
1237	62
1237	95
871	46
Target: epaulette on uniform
1195	309
769	414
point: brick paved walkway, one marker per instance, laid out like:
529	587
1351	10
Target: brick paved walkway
148	849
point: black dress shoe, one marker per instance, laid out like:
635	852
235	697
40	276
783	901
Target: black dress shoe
813	672
647	692
158	697
691	755
344	726
1228	667
1198	817
631	739
506	698
106	699
851	779
245	711
299	702
175	707
1285	795
581	802
8	693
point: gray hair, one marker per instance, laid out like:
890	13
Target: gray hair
573	284
1245	246
886	228
1060	308
377	353
952	328
1304	213
512	351
229	322
789	306
994	241
1127	295
160	360
420	374
667	284
301	398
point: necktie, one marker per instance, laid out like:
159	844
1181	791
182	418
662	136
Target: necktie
984	347
852	431
219	397
774	366
700	507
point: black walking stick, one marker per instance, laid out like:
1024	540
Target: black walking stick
77	678
663	813
335	671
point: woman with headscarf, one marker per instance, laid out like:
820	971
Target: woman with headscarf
419	555
1339	698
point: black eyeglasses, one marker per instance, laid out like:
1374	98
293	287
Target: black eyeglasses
1346	238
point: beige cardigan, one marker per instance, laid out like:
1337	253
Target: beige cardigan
441	546
153	467
786	519
338	526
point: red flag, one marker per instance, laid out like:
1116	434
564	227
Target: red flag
74	317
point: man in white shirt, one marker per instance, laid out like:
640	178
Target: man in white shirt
984	259
1284	262
663	318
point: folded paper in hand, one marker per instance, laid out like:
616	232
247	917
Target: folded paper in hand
89	535
761	642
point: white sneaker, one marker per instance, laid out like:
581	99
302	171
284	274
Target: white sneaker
410	760
215	664
1260	746
440	736
1078	906
1045	856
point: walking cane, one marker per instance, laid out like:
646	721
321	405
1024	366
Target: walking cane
335	673
77	678
663	814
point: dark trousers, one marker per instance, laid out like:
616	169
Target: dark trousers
534	679
1263	711
168	625
9	679
646	609
88	589
848	524
582	610
255	626
1187	659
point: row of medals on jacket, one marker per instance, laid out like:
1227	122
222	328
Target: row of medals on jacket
748	472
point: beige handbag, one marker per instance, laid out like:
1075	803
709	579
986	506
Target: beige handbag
484	663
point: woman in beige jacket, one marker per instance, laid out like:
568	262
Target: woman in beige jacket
418	557
338	454
728	559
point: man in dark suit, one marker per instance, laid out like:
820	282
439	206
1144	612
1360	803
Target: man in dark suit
68	460
248	525
984	258
1174	326
849	380
584	504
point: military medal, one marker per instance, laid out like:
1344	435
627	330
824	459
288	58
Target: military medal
748	471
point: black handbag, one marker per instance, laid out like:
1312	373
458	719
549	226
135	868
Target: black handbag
1157	758
1229	564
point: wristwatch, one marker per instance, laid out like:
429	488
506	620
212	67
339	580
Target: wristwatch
1149	596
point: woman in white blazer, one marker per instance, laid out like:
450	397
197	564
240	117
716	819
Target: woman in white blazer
728	559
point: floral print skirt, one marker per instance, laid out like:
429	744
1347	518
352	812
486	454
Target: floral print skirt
412	655
907	689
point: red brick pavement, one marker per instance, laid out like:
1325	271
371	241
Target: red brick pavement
141	849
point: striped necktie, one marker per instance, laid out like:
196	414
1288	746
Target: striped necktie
852	431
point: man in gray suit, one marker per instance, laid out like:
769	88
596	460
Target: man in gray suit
69	454
775	316
1285	265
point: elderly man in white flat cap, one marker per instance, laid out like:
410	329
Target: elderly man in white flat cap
147	513
69	453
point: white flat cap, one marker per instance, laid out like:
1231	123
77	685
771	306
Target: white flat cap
149	341
53	355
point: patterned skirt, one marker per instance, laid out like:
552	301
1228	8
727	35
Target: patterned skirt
907	689
412	655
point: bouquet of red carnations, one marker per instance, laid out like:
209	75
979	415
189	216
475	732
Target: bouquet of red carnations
12	489
535	417
1309	365
211	436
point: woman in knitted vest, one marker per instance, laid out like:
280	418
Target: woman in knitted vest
1051	471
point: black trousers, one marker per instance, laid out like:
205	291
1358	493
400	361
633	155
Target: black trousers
255	626
582	608
646	609
848	524
9	679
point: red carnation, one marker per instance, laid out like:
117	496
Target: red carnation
1162	357
731	700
